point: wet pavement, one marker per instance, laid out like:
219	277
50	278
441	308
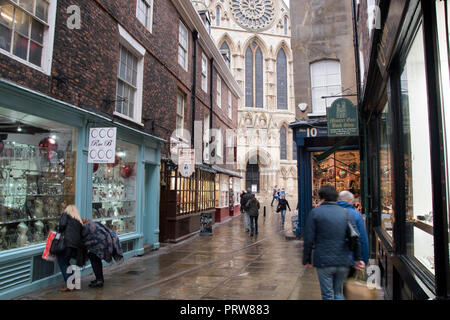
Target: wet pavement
227	265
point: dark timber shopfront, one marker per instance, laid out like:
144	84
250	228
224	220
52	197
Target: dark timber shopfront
405	107
323	160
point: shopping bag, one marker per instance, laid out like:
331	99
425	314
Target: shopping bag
356	288
47	255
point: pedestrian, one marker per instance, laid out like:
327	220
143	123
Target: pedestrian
70	225
101	243
283	203
282	193
346	200
253	212
245	198
274	195
326	230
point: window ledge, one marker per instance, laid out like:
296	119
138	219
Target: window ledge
323	114
120	115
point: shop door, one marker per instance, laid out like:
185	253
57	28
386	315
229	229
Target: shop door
340	169
151	205
252	176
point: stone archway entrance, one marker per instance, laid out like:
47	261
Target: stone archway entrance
252	174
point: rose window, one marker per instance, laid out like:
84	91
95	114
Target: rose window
253	14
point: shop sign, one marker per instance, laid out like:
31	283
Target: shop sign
186	162
342	118
102	145
254	188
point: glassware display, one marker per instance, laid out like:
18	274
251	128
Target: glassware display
37	177
114	190
340	169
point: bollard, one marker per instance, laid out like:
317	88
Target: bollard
264	211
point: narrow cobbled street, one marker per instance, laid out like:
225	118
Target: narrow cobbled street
227	265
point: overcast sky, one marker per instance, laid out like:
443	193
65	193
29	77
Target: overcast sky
287	2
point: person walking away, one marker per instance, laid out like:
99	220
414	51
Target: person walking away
274	195
283	204
70	225
245	198
346	200
282	193
326	230
101	243
253	212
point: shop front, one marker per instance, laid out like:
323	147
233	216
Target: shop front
227	193
406	110
44	167
323	160
184	200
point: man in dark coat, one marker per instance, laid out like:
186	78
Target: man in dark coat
244	199
326	229
253	212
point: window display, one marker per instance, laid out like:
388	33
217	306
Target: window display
37	177
419	210
114	190
206	190
222	191
386	183
442	13
340	169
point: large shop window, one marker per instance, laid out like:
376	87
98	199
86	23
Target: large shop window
206	190
386	174
442	13
222	191
419	214
115	189
37	177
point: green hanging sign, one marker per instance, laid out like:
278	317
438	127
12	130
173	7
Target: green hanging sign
342	118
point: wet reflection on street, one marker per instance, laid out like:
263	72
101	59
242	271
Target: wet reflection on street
227	265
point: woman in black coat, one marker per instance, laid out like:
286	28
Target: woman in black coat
70	225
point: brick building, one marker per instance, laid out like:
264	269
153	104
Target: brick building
69	66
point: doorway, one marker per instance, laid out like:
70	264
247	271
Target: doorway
252	174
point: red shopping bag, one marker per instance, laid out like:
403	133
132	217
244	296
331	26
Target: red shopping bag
46	255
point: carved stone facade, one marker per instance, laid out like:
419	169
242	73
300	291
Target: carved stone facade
242	24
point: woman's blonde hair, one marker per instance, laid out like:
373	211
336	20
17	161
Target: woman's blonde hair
72	211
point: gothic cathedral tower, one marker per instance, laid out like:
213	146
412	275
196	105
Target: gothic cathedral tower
254	36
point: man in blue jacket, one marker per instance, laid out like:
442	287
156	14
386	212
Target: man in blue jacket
326	230
346	199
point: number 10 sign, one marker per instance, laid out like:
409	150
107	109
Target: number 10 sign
102	145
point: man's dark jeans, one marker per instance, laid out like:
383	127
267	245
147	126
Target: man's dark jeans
253	225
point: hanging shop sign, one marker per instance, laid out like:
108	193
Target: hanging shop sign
102	145
186	162
342	118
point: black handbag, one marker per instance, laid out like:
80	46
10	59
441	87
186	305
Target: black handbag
58	245
352	234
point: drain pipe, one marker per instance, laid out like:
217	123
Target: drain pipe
195	37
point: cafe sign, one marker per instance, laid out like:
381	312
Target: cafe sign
186	161
342	118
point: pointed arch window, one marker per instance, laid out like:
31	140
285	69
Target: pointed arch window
282	99
254	92
285	25
283	143
218	16
226	53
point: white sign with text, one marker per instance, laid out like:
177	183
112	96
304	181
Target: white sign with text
102	145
